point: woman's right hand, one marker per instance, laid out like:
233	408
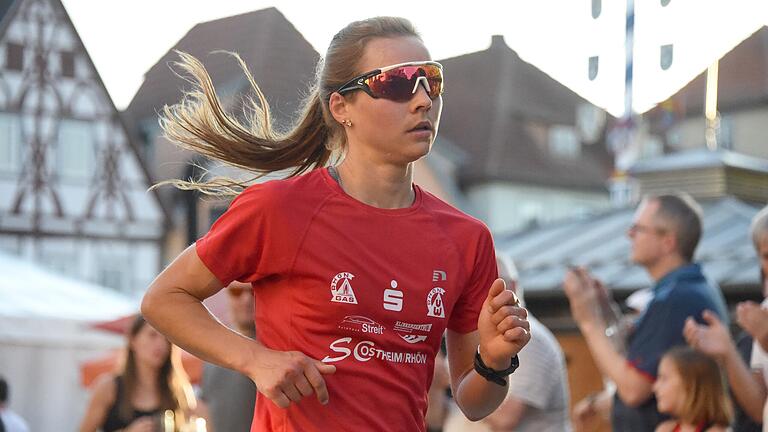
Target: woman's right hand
141	424
288	376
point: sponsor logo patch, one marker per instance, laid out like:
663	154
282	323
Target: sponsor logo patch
393	298
409	332
361	324
435	306
364	351
341	288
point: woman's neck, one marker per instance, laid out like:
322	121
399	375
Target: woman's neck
146	375
382	186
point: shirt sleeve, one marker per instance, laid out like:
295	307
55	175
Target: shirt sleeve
662	329
483	272
251	240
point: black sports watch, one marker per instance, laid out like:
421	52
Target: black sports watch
492	374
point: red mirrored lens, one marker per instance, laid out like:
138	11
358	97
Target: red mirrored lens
398	84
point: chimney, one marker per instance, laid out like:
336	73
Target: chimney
497	41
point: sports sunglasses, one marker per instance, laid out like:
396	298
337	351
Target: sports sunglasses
399	82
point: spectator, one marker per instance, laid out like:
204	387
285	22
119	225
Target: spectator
437	396
713	339
229	395
664	236
691	388
9	420
595	409
152	381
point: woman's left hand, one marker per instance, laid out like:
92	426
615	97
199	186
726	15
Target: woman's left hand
503	327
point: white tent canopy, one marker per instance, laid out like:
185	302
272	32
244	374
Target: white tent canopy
45	334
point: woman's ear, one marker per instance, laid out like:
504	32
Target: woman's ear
339	107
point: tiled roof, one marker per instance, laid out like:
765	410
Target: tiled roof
742	79
278	56
497	107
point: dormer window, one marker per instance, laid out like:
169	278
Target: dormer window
563	142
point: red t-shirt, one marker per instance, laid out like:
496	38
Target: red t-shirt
368	290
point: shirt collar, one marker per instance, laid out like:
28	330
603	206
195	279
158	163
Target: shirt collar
683	272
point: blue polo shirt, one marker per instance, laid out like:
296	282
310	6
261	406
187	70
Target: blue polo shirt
681	293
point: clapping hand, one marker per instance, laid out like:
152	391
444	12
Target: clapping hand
712	338
754	319
582	291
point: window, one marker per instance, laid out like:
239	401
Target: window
114	272
563	142
68	64
10	137
597	7
14	56
725	133
65	262
75	158
666	56
594	67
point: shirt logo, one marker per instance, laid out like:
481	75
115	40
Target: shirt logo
393	298
435	306
410	329
412	338
438	276
364	351
361	324
343	293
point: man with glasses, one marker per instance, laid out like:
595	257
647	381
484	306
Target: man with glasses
664	235
229	395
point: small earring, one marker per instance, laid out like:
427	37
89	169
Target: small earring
347	123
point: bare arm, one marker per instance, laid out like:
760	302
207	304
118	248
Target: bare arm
631	386
502	332
102	398
475	396
173	305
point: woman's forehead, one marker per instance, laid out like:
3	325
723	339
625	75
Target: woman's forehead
380	52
